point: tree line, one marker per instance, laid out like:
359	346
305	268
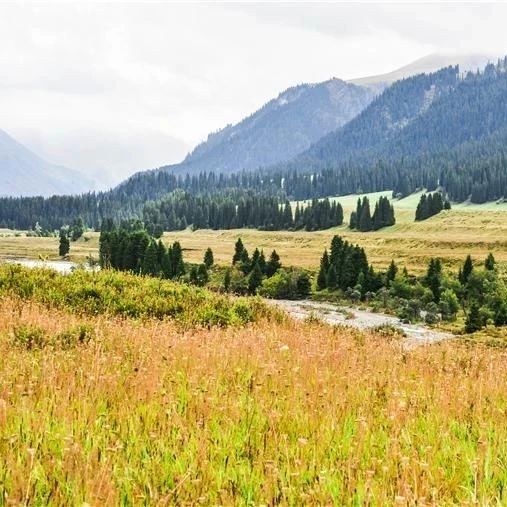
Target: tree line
362	219
430	205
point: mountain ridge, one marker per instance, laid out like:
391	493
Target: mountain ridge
24	173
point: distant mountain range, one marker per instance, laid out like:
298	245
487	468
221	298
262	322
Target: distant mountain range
281	129
322	122
22	172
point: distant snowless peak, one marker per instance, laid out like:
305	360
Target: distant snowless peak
429	63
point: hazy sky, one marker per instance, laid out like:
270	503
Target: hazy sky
127	86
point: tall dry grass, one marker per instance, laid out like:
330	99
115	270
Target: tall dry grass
275	413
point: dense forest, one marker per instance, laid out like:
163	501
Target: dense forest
179	209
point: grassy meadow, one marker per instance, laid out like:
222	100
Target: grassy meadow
276	412
451	235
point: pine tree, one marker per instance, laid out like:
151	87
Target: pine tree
227	279
490	262
365	223
324	268
434	278
202	275
255	279
64	246
150	265
239	251
467	270
208	258
273	265
391	272
332	278
473	321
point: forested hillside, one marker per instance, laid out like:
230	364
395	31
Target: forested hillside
282	128
438	131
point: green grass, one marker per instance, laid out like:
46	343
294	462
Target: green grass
114	293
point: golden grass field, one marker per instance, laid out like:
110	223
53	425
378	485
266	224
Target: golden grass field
451	235
275	413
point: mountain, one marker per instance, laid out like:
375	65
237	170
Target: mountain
425	65
22	172
444	129
281	129
384	118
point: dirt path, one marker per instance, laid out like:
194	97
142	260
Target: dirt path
359	319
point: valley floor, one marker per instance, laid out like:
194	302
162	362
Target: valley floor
451	235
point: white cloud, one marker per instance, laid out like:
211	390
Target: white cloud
157	71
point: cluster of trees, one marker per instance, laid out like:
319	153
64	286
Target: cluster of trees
247	274
318	215
346	267
131	248
362	219
236	210
430	205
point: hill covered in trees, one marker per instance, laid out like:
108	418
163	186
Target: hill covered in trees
278	131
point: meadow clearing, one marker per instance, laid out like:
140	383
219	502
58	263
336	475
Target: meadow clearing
451	235
275	412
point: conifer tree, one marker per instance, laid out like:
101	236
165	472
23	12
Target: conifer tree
467	270
64	246
365	223
208	258
324	268
332	278
473	321
254	279
490	262
391	272
273	265
227	279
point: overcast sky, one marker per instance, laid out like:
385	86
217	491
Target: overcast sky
127	86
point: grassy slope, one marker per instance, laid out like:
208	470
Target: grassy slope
474	229
287	413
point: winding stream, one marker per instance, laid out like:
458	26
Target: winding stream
359	319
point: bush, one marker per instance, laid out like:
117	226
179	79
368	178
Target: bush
286	284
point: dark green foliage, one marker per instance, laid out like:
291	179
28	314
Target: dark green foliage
198	275
240	252
430	205
64	245
383	215
434	278
208	258
332	278
227	280
391	272
324	268
466	271
474	321
130	248
346	263
490	262
273	265
254	279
